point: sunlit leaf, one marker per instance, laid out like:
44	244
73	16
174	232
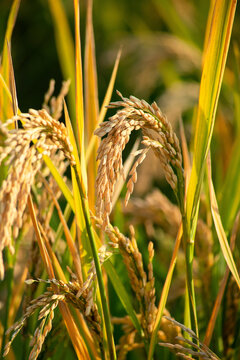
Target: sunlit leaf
91	101
65	48
215	55
5	105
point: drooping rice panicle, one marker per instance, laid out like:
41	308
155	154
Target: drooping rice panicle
22	151
158	134
47	302
196	350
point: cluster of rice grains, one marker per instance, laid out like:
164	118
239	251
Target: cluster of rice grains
22	150
157	134
47	302
143	286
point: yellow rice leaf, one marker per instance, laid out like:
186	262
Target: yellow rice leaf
79	93
65	49
12	83
91	102
215	55
5	105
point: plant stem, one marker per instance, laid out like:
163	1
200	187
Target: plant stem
188	242
106	313
189	254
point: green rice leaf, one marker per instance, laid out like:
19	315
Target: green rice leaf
230	203
91	101
220	230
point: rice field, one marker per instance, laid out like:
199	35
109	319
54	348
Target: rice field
119	180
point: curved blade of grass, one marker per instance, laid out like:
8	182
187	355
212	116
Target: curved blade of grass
12	83
211	81
5	95
219	228
91	101
164	295
229	203
106	101
122	294
215	55
5	105
6	90
10	26
65	49
237	86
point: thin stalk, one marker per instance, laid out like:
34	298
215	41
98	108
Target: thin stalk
111	345
189	253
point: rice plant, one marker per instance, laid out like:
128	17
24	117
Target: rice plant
91	266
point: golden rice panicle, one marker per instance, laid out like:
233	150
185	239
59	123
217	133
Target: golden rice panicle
149	293
132	259
82	299
22	151
158	135
47	302
53	130
186	348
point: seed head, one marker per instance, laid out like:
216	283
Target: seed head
157	132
